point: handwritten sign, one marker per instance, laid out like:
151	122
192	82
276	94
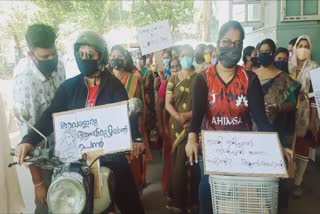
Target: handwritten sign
243	153
315	80
154	37
103	127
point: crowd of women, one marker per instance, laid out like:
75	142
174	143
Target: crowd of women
202	85
198	89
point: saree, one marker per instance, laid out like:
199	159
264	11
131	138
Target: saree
277	90
184	179
149	99
307	120
138	166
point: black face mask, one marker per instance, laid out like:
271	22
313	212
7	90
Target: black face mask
117	63
46	67
87	67
265	59
254	61
229	57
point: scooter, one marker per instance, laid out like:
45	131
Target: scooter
72	185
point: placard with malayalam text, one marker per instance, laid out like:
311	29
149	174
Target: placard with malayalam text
315	80
104	127
154	37
243	153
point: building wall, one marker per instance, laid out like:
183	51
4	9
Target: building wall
286	31
269	29
283	32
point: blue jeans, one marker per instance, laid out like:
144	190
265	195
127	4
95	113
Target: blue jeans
205	202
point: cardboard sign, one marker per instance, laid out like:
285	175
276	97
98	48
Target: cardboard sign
243	153
154	37
315	80
103	127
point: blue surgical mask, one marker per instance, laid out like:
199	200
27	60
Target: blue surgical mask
282	65
186	62
166	62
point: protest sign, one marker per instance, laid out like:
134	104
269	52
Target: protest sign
103	127
315	80
154	37
243	153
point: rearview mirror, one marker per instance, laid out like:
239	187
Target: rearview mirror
21	112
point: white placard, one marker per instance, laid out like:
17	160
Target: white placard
154	37
243	153
315	80
103	127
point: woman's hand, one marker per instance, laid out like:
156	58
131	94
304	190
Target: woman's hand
192	148
288	153
182	119
271	110
137	148
22	151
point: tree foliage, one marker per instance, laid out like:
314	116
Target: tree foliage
98	15
149	11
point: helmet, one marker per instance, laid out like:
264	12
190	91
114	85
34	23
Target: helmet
94	40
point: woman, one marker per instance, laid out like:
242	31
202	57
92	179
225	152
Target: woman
307	122
93	87
280	97
149	98
225	84
122	69
178	104
281	58
175	67
249	58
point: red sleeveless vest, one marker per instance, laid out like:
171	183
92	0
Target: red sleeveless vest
227	103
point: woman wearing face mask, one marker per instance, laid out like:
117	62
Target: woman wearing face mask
281	58
122	69
207	58
233	94
178	104
307	122
280	97
175	67
93	87
149	96
250	59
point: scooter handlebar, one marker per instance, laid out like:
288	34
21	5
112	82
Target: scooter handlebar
13	153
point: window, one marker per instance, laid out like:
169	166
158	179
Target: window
300	10
248	12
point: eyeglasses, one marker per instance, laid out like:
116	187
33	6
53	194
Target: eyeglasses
87	54
265	51
230	44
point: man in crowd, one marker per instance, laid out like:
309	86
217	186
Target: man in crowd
37	78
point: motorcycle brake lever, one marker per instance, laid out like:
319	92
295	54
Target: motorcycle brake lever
12	164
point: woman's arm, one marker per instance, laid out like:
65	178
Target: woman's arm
199	107
256	104
169	99
199	103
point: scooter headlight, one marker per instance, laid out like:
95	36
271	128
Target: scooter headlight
67	194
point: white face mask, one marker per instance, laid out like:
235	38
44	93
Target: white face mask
303	53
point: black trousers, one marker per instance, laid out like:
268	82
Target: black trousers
126	195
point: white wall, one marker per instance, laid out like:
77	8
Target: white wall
269	19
